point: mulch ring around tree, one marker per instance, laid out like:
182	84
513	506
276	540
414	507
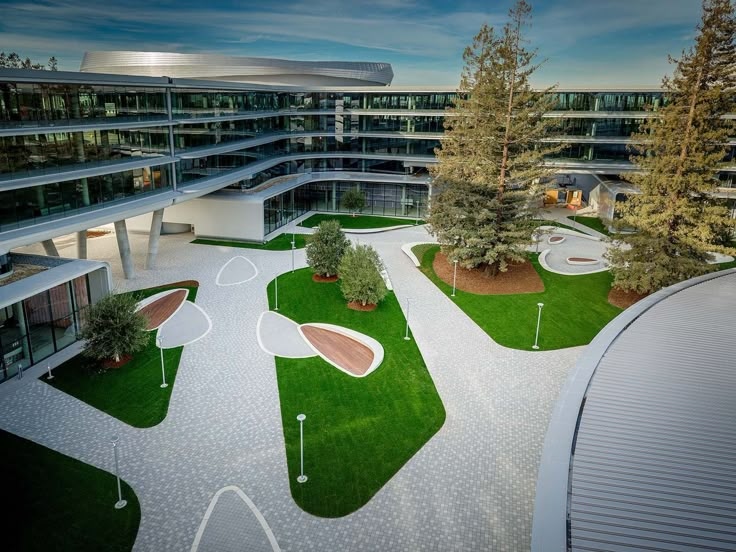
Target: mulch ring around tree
356	305
323	279
519	278
623	299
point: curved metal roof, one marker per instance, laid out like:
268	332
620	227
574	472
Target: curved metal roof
238	69
640	451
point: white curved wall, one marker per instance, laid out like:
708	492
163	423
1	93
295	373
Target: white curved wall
238	69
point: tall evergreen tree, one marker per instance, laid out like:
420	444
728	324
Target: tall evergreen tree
487	181
676	217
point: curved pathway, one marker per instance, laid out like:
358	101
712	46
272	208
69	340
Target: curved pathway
470	487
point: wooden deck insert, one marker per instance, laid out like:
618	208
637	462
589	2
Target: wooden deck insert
345	351
160	310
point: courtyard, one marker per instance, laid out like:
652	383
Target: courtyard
470	485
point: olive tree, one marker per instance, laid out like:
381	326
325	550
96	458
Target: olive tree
325	248
360	276
353	200
114	329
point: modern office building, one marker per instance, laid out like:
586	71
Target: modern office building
146	145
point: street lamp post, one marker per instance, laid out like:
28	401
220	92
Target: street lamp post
406	333
120	503
539	319
160	343
276	283
293	247
302	478
50	376
454	278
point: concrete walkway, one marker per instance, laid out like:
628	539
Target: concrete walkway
471	487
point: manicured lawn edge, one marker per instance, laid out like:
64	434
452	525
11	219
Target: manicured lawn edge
360	222
576	307
282	242
591	222
359	432
54	502
130	393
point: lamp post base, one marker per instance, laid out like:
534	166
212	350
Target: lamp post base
164	385
120	504
535	347
302	479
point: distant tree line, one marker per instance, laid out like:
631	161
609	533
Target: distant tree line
14	60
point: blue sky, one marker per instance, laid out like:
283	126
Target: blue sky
595	42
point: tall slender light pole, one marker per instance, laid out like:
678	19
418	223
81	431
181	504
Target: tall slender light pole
50	376
454	278
276	283
406	333
293	247
419	206
160	343
539	319
120	503
302	478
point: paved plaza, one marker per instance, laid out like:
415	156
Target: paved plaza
471	487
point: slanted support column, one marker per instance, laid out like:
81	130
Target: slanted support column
156	222
50	248
121	234
82	244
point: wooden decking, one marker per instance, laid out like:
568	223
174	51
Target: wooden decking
349	353
160	310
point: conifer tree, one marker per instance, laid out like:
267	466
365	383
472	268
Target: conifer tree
487	181
676	218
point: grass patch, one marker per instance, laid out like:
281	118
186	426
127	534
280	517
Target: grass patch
592	222
282	242
545	222
359	431
54	502
130	393
361	222
576	308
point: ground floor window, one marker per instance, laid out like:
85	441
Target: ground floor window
402	200
35	328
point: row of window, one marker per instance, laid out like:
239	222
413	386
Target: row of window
41	153
26	206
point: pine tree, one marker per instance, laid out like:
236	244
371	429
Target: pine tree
488	179
676	218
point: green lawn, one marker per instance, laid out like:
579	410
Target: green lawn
575	309
53	502
130	393
592	222
359	431
360	222
545	222
282	242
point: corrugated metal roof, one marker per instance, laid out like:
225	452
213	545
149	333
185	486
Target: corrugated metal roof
654	463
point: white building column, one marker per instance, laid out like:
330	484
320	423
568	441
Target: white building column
82	244
153	238
121	234
50	248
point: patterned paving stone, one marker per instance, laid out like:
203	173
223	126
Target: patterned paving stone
471	487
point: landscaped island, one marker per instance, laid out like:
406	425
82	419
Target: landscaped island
359	222
282	242
359	431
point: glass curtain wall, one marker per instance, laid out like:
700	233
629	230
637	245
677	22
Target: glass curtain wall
37	327
26	206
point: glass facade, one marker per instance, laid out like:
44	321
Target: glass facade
31	154
25	206
609	101
402	200
35	328
27	104
620	128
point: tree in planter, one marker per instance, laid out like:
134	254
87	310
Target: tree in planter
488	182
114	329
360	276
325	248
676	219
353	200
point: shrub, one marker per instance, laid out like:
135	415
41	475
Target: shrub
114	329
353	200
360	275
326	247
